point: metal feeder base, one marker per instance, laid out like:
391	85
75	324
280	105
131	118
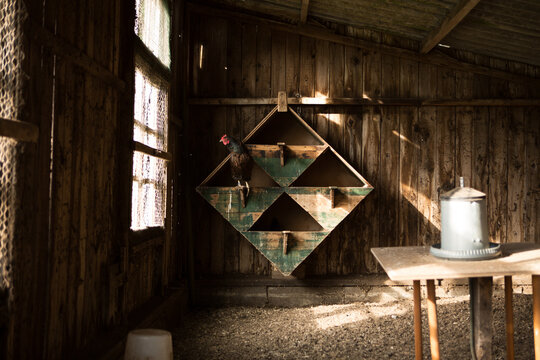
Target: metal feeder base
493	251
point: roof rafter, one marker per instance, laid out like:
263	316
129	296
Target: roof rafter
304	11
451	21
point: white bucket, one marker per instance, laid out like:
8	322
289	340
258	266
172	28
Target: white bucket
149	344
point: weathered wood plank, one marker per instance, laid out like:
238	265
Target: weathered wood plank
498	175
292	65
532	149
516	165
359	101
19	130
408	157
464	128
279	43
270	244
389	185
436	58
453	18
428	229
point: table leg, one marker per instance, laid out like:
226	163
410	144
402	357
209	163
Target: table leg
509	309
417	320
536	314
481	302
432	320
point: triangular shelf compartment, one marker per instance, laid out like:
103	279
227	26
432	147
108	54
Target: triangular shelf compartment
330	169
221	177
284	163
299	245
283	127
286	215
289	204
226	200
317	201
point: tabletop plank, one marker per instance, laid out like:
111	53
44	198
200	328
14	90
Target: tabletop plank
416	263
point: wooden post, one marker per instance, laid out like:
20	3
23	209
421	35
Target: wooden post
242	196
508	306
285	241
481	297
281	153
282	101
432	320
536	314
417	320
333	196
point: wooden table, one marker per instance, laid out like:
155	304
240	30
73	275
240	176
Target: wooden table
416	263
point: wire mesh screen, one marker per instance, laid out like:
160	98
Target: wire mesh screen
151	107
149	191
8	153
152	25
149	172
12	16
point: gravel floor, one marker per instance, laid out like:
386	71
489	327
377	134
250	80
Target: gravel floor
366	330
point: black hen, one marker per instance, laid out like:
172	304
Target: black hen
241	161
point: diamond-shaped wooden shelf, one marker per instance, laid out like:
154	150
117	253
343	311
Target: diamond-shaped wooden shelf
300	190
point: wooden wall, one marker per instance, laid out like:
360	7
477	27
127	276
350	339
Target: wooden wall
410	154
79	270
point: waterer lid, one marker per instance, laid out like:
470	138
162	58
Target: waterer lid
463	193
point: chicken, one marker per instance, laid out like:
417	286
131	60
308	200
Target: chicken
241	161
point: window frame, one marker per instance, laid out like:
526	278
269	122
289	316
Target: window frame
144	58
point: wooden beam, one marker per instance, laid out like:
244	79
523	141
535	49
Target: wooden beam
536	314
150	59
417	321
71	53
481	293
304	11
435	57
452	19
312	101
19	130
432	320
137	146
509	312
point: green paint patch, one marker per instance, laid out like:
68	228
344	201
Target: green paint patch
226	200
283	175
299	246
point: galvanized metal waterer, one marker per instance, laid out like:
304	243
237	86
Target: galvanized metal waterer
464	230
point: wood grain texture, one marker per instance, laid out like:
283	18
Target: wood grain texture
416	263
411	153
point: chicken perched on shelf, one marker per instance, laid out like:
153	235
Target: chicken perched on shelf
241	161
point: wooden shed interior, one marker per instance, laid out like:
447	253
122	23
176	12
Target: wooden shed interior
106	132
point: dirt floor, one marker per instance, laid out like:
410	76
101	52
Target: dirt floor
363	330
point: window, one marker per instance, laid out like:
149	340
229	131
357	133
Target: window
153	26
151	108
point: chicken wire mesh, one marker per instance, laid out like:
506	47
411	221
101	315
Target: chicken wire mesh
152	25
149	172
12	16
151	107
149	191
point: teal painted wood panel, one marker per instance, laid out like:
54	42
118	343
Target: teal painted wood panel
283	175
226	200
317	202
300	245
